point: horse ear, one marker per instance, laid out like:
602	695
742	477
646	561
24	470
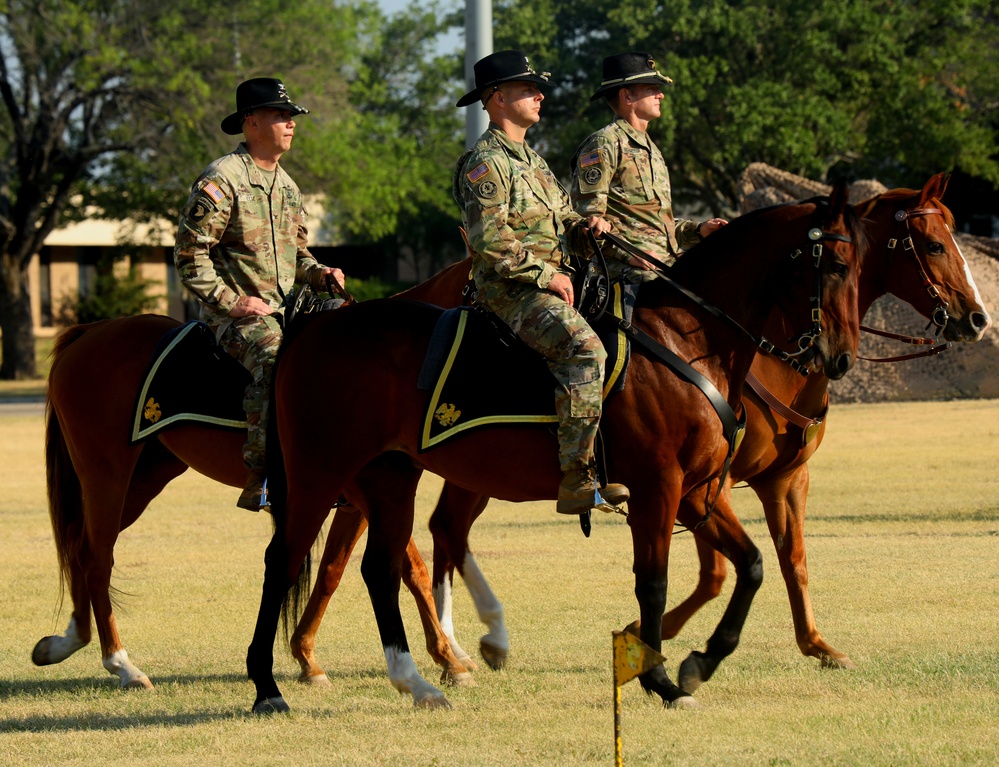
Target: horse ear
838	198
934	188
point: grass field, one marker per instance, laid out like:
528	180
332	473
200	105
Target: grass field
903	541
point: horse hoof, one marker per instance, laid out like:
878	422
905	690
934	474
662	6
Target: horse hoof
139	683
691	674
462	679
432	702
40	655
271	706
316	680
686	702
842	662
494	656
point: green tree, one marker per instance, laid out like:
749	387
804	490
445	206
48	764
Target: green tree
112	108
896	89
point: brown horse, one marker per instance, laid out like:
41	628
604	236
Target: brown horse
772	459
99	484
661	457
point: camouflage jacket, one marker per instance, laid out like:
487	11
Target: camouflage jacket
620	174
236	239
514	210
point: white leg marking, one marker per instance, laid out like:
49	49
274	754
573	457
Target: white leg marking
62	646
405	678
126	671
444	602
488	606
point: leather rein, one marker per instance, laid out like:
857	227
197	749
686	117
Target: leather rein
733	426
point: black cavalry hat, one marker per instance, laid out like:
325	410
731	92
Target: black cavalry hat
501	67
258	93
629	69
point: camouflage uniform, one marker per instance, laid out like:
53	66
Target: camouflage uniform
236	239
620	174
515	213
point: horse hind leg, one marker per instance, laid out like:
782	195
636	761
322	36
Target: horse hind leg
450	523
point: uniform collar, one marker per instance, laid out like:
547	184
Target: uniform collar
252	169
519	150
639	137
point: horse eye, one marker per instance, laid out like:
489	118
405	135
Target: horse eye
839	269
936	248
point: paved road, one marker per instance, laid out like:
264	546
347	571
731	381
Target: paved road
32	406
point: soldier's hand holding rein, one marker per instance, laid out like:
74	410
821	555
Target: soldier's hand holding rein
598	225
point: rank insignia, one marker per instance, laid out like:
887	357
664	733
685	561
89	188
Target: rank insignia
476	173
589	159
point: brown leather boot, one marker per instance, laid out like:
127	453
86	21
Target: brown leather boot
578	493
254	495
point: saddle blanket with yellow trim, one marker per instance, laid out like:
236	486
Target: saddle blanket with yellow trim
478	377
190	378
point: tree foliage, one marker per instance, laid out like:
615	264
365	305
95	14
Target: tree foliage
896	89
112	108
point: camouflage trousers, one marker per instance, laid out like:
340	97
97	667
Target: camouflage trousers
575	357
254	342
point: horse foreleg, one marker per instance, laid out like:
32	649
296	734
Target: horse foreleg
417	580
345	530
388	485
784	503
723	532
650	540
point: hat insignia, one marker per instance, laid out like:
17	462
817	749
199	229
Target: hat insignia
282	93
651	62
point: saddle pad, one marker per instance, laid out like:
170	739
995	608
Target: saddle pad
190	378
478	378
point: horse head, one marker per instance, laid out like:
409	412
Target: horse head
830	265
925	266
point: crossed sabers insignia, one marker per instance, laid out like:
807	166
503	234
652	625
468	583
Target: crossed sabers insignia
446	415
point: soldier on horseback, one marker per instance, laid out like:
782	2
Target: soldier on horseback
619	174
516	213
242	244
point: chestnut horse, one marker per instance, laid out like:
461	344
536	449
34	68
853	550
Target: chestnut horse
99	484
929	272
660	456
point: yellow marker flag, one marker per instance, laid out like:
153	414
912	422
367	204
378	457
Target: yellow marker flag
632	657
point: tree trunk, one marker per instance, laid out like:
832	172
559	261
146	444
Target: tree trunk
15	322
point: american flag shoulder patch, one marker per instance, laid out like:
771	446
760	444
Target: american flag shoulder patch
478	172
212	190
592	158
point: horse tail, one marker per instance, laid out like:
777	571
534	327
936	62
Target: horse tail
64	490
